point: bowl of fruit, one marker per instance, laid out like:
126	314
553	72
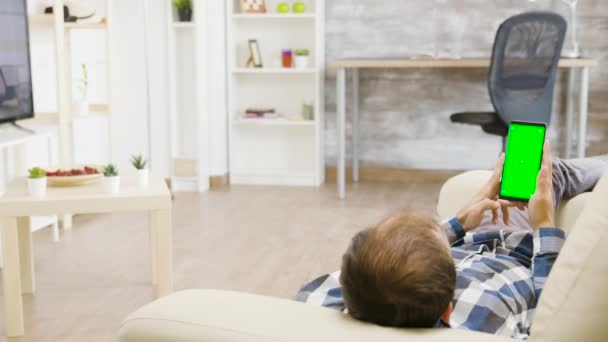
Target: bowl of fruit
73	177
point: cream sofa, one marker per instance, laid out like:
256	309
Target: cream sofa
571	308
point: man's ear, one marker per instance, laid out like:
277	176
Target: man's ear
445	317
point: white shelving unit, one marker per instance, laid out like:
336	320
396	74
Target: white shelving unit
276	151
186	51
77	133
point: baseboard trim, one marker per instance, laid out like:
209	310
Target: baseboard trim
392	175
219	182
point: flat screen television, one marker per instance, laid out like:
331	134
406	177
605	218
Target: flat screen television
16	100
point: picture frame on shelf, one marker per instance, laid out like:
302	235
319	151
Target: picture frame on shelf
253	6
255	57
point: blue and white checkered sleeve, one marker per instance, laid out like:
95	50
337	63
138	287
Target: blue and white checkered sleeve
324	291
453	229
547	244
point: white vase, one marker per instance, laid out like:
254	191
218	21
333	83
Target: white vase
301	62
111	185
143	177
36	186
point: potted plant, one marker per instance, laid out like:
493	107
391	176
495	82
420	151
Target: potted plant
83	102
302	58
111	179
184	9
139	163
36	181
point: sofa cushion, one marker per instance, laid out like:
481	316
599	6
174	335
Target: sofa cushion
222	316
574	301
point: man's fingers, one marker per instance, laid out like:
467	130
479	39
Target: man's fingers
488	204
499	165
505	214
547	158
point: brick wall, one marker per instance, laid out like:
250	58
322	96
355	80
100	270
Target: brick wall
405	113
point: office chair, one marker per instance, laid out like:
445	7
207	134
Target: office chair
524	64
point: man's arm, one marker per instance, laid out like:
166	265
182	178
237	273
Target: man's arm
547	244
547	241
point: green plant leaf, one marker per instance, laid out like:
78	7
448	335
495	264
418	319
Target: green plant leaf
36	172
110	170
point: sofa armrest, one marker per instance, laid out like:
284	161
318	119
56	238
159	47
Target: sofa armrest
210	315
458	191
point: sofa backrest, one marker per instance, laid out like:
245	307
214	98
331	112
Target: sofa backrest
574	301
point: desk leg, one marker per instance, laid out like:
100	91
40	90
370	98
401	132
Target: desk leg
570	112
161	224
584	107
26	255
340	128
11	277
355	125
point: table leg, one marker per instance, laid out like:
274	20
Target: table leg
570	112
26	255
11	277
355	142
161	224
66	222
153	248
340	128
584	107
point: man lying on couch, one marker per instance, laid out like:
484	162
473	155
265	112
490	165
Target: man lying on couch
403	273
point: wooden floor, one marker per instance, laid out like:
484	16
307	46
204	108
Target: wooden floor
266	240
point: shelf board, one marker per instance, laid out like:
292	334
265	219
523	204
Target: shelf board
41	19
180	25
273	71
85	25
49	20
274	16
272	122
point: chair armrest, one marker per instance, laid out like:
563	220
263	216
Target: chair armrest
210	315
475	118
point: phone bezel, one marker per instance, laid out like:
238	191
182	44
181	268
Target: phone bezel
528	123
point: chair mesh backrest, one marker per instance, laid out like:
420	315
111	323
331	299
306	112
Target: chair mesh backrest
526	54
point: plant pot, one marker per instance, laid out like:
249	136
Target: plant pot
111	185
36	186
184	14
142	178
302	62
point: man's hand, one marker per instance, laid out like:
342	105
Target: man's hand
487	199
541	211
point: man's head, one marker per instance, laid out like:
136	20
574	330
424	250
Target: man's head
399	273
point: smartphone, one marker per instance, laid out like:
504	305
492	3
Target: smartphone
523	159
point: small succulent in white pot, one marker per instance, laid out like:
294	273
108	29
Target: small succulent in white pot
111	179
36	182
302	60
143	174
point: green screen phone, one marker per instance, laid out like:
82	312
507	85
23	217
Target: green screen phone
523	158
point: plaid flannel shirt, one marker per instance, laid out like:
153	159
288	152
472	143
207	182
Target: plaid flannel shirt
499	277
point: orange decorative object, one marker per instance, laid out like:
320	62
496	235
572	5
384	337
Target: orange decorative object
253	6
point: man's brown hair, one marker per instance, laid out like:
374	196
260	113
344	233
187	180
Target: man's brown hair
399	273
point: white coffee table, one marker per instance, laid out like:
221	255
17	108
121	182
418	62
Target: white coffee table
16	206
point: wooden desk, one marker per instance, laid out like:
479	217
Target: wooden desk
16	206
417	63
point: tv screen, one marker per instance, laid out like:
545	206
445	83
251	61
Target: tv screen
16	100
